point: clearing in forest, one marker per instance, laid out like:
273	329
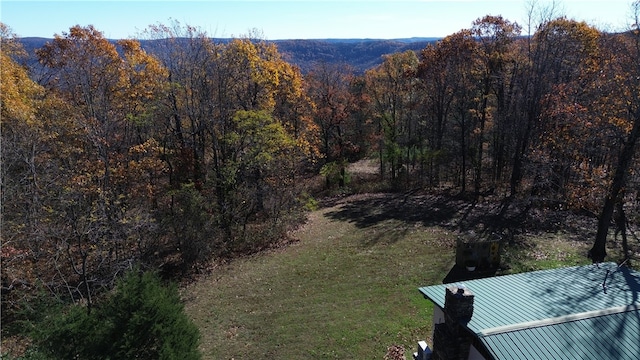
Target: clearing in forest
347	288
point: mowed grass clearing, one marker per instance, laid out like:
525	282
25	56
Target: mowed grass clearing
348	289
343	291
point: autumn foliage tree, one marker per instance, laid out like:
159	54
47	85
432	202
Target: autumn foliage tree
496	36
329	89
161	159
447	77
623	116
570	68
394	97
546	118
219	97
23	184
104	216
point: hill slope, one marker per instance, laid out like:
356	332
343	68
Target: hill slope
361	54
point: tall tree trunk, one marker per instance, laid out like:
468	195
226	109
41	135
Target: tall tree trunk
463	147
598	252
522	143
620	221
480	145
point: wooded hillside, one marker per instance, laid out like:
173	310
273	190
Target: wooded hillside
359	54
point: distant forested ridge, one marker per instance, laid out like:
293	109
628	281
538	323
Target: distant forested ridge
360	54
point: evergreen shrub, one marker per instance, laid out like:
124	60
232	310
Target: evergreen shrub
142	319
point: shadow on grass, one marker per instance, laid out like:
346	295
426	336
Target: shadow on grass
427	210
389	217
494	218
451	212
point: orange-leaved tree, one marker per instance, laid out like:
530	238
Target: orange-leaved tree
496	36
447	77
328	86
567	61
625	115
104	207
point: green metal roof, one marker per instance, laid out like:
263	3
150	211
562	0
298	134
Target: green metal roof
563	313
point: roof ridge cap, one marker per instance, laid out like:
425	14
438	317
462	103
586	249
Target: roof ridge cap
558	319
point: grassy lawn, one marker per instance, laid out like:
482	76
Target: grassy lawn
346	290
342	292
547	251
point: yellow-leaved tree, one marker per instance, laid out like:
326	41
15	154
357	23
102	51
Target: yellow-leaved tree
105	202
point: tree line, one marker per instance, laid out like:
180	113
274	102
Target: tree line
116	157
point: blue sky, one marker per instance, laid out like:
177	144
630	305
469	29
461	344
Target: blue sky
301	19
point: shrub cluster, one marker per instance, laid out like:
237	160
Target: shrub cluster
141	319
